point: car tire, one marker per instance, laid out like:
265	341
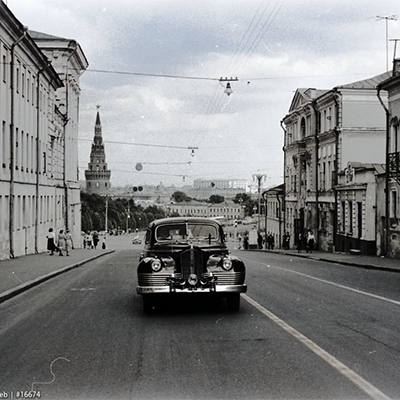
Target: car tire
148	304
233	302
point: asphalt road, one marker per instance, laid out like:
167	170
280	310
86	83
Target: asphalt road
305	330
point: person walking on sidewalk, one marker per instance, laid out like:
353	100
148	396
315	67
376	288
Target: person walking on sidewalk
89	240
61	242
299	242
51	245
68	242
310	241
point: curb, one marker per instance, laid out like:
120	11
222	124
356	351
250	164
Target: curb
8	294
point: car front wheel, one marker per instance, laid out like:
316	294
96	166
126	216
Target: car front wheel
148	303
233	301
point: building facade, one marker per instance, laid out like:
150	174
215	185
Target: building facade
97	175
274	211
389	209
227	211
39	92
324	130
360	190
229	188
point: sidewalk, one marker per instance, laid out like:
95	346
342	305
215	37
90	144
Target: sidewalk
22	273
354	260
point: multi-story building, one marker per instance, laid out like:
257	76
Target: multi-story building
274	200
324	130
39	91
389	209
97	175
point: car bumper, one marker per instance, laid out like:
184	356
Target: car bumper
219	289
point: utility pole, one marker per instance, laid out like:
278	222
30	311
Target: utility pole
259	178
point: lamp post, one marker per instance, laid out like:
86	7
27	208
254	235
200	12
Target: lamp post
259	178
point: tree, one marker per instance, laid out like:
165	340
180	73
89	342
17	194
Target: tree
180	197
216	199
247	202
94	210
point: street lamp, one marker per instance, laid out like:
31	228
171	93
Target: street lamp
259	178
228	90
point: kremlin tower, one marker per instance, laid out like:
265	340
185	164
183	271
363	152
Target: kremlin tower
97	175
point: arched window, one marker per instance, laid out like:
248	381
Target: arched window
303	128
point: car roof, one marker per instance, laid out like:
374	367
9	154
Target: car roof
180	220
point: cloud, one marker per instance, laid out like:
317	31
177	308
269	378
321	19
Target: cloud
273	47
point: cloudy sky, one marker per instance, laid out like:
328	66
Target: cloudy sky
155	65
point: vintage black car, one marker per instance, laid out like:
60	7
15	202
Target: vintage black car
187	256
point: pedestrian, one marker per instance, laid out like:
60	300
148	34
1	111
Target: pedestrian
310	241
260	241
51	245
95	239
89	240
246	242
299	242
68	242
103	244
270	241
61	242
286	241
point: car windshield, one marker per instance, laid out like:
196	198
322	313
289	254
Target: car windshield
184	232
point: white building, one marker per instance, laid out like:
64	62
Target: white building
39	92
227	210
229	188
324	131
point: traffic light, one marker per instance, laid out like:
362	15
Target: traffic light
137	188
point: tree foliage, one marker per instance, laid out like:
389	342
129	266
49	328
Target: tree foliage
118	211
216	199
247	202
180	197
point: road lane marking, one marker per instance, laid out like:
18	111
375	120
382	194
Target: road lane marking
360	382
375	296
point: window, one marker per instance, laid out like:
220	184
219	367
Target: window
343	216
302	129
4	67
350	216
359	219
393	204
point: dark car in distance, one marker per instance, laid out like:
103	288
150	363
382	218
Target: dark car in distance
188	255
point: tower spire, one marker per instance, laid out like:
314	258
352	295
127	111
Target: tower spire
97	175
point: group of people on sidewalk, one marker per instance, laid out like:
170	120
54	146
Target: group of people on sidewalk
63	242
307	241
92	239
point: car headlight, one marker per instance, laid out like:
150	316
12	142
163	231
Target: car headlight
227	264
156	265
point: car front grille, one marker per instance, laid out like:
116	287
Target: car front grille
230	278
151	279
192	261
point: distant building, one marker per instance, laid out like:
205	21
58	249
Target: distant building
229	188
228	210
273	198
97	175
39	100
